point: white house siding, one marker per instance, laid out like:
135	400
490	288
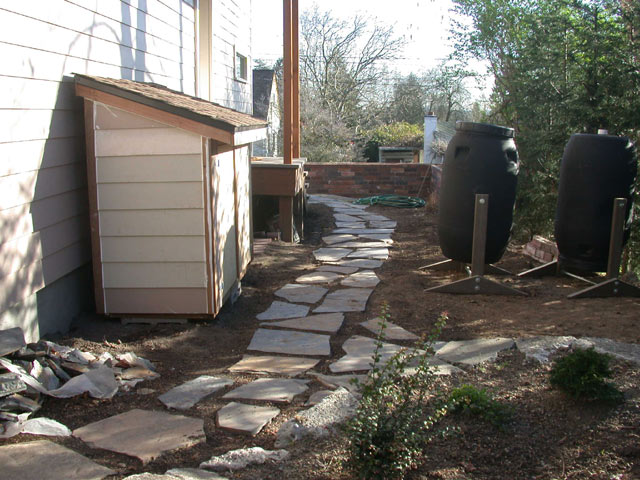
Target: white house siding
44	244
231	26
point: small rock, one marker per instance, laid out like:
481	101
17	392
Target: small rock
239	459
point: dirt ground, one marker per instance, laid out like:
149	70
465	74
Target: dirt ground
550	436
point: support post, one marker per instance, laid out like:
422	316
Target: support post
479	234
286	218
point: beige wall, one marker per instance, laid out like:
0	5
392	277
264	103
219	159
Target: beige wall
43	196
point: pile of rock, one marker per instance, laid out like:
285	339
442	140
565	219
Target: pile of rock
29	372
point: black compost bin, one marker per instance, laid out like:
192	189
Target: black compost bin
480	158
595	169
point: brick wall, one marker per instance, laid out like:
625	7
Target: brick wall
369	179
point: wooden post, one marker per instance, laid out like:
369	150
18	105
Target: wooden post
616	238
287	75
286	221
479	234
295	81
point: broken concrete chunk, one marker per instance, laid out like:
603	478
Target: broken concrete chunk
46	427
10	383
239	459
11	340
192	474
188	394
99	383
19	403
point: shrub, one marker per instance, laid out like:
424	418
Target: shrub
471	400
396	415
400	134
582	374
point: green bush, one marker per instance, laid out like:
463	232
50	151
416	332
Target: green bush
400	134
471	400
396	415
582	374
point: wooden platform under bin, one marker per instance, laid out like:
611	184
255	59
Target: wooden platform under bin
170	198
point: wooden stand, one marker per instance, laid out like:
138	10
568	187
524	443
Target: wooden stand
476	283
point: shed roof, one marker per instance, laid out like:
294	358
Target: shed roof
173	102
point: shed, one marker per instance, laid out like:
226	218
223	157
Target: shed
169	181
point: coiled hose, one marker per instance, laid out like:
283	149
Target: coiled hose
398	201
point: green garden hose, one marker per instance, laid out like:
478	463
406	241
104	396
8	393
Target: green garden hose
399	201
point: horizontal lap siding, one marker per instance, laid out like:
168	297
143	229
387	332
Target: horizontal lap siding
151	220
43	187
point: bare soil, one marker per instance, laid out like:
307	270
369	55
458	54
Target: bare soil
550	436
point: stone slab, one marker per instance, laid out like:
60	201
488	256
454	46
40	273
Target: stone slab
391	331
440	367
540	348
242	458
337	381
325	322
189	393
383	224
319	277
362	279
281	390
242	418
366	244
290	366
373	253
351	225
360	263
345	300
473	352
364	231
45	426
281	310
360	352
342	217
12	340
337	269
372	217
290	342
625	351
317	397
331	254
333	239
301	293
193	474
383	237
142	433
43	459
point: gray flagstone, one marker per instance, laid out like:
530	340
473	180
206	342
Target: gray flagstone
338	269
345	300
364	231
331	254
301	293
242	418
332	239
281	390
189	393
290	366
319	277
391	331
290	342
373	253
279	310
360	263
362	279
473	352
325	322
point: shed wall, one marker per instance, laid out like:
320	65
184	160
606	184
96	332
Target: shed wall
152	236
43	190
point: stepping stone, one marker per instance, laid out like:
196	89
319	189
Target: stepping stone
473	352
374	253
325	322
360	351
362	279
363	231
361	244
301	293
337	381
331	254
317	397
385	237
280	390
188	394
291	366
345	300
540	348
331	239
391	331
241	459
242	418
143	434
319	277
440	367
45	459
626	351
192	474
279	310
337	269
12	340
351	225
372	217
341	217
360	263
389	224
290	342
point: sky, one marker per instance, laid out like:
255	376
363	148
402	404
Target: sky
423	23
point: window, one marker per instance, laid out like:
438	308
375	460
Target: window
241	67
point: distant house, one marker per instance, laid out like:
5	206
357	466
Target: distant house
266	106
199	48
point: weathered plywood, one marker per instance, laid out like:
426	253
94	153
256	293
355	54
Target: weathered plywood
151	223
112	118
149	196
154	275
149	141
243	208
144	168
153	249
224	228
156	301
